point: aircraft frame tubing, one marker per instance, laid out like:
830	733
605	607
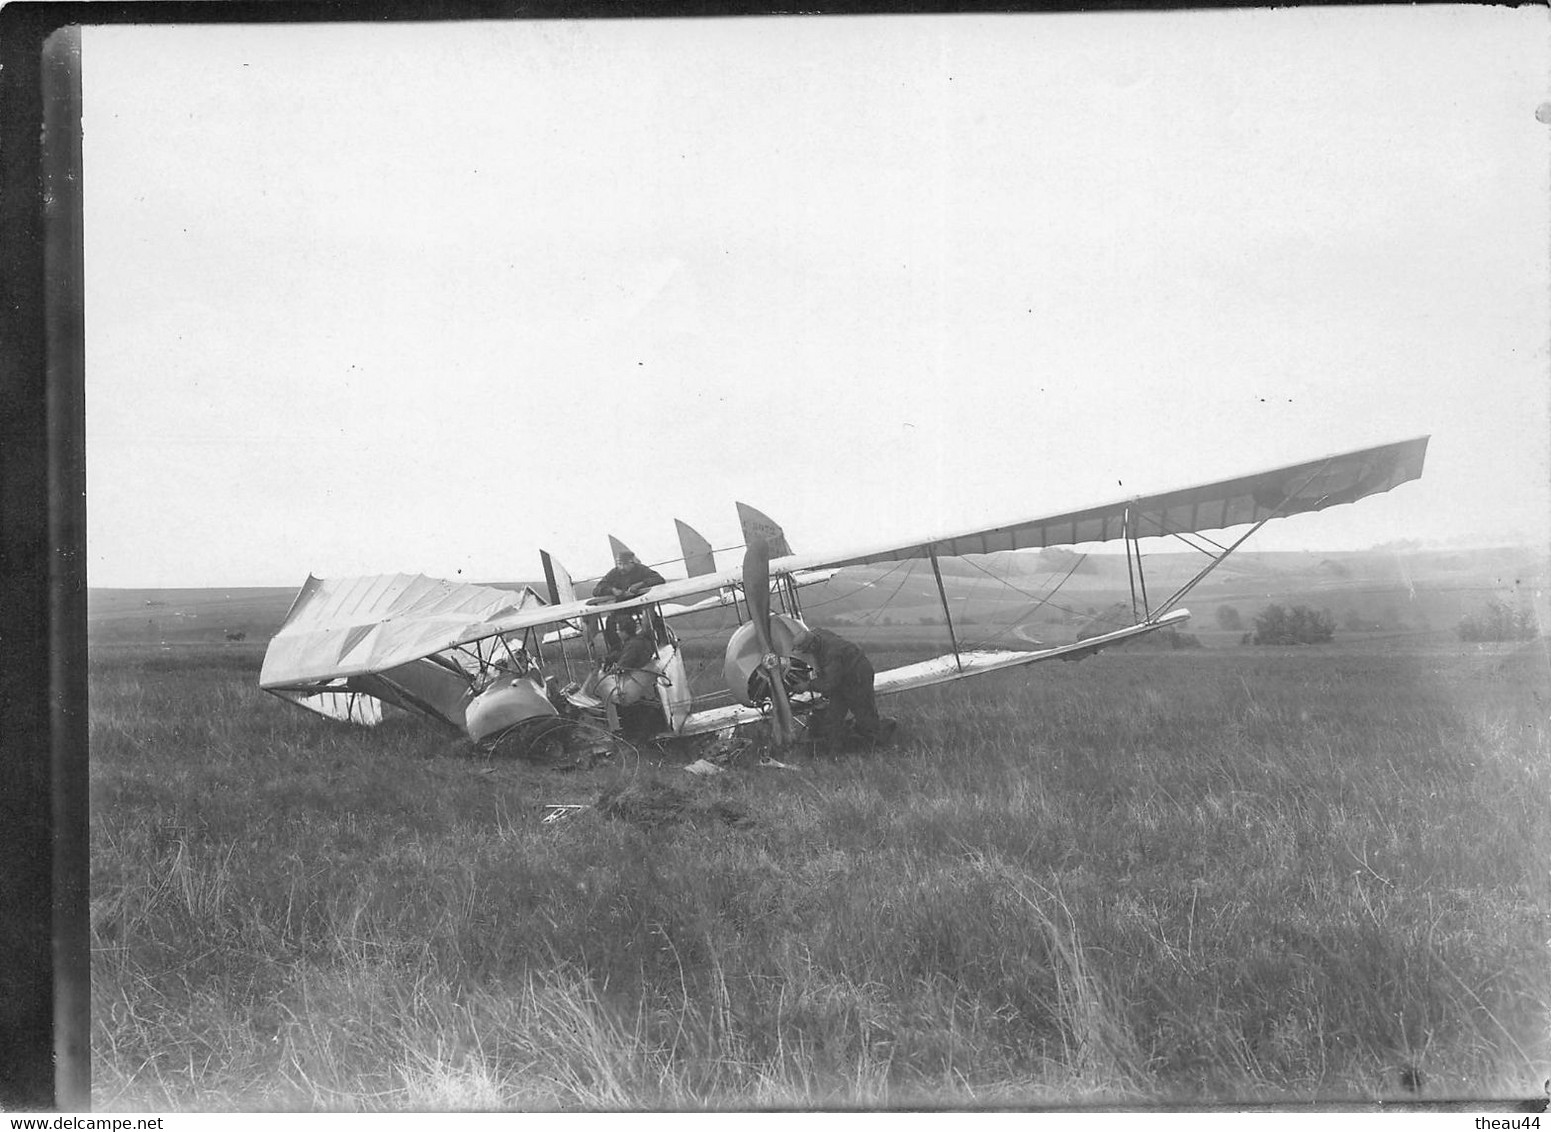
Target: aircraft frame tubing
1216	561
789	589
1276	512
1141	577
1134	567
942	594
1179	594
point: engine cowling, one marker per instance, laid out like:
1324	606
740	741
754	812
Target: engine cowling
507	702
743	654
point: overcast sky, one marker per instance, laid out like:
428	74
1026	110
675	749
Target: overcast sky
429	297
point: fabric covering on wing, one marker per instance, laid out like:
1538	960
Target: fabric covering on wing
350	644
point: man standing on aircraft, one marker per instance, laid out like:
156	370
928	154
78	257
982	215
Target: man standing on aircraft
843	674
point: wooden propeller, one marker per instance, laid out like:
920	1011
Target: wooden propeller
756	590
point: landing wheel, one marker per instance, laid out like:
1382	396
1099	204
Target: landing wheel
556	744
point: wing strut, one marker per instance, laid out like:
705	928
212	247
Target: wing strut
947	616
1133	565
789	587
1141	577
1216	561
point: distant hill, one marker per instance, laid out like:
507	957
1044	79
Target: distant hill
185	615
1397	589
1392	590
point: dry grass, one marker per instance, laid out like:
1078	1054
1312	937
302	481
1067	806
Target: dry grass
1241	874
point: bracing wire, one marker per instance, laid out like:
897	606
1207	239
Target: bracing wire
613	738
1161	531
809	606
905	576
1038	600
559	723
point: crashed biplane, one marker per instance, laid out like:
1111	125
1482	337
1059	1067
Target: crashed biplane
491	661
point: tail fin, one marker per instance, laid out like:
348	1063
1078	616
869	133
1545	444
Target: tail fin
561	589
616	548
698	558
756	524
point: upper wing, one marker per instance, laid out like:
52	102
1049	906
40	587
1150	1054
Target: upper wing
340	627
349	646
1311	486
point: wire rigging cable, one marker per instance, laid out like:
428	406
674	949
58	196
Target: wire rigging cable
904	577
1038	599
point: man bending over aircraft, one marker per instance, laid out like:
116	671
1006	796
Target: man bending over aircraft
843	674
629	578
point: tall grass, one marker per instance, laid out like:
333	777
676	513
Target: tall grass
1220	874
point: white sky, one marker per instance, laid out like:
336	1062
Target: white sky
429	297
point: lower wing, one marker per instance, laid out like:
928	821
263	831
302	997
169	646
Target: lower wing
940	670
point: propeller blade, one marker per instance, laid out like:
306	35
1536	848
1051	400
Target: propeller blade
783	728
756	591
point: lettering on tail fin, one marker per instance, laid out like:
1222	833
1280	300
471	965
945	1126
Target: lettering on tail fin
756	524
698	558
561	590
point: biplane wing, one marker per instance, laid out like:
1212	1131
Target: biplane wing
939	670
357	637
1253	499
349	645
974	662
1250	500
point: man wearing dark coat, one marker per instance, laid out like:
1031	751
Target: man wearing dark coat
843	674
636	649
629	578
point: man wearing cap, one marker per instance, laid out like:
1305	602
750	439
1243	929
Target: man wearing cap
843	674
629	578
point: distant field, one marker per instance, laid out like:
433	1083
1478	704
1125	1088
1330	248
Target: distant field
152	617
1225	873
1390	592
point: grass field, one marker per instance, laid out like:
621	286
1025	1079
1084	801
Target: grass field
1223	873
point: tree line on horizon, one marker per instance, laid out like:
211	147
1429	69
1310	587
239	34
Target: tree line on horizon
1303	625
